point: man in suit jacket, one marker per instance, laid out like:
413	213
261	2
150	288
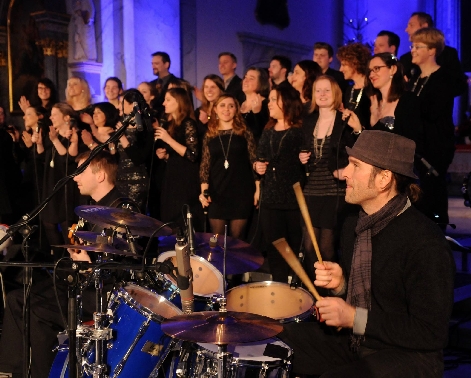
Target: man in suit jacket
232	82
160	67
323	56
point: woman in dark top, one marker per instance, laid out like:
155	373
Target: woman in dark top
181	152
58	151
254	109
105	118
43	99
354	66
434	90
213	87
392	107
134	149
325	136
304	74
113	90
226	168
279	147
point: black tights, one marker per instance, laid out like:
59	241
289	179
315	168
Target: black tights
325	240
236	227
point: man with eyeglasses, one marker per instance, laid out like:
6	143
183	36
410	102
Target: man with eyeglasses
448	59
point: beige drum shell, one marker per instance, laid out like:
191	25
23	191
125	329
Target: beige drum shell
277	300
207	280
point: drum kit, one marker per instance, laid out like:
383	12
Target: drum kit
141	330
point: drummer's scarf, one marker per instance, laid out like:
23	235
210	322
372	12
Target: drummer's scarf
359	282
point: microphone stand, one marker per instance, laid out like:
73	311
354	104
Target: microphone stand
26	219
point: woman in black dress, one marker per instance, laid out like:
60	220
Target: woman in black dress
254	109
135	151
226	169
279	146
181	152
58	151
434	90
325	137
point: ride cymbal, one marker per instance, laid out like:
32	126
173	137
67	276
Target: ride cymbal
217	327
101	248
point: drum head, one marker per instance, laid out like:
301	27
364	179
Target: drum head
207	280
143	299
276	300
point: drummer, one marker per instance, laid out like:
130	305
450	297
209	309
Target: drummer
98	182
392	292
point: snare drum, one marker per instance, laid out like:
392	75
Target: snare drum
277	300
207	280
270	358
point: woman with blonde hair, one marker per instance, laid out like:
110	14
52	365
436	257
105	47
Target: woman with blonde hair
77	93
225	171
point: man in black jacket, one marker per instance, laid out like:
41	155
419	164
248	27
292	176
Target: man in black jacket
232	82
392	291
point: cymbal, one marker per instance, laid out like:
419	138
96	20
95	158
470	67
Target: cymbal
137	223
241	257
94	237
103	248
221	327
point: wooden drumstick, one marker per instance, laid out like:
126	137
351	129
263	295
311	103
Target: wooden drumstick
282	246
307	218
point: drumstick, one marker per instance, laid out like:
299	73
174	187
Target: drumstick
307	219
282	246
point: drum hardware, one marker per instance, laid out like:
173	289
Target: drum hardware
99	248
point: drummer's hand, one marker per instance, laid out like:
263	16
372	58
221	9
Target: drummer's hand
78	255
336	312
329	275
204	201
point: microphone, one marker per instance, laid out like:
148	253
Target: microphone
138	116
191	238
431	169
306	166
184	274
206	195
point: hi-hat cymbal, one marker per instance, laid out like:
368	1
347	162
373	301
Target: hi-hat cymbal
103	248
93	237
241	257
137	223
220	328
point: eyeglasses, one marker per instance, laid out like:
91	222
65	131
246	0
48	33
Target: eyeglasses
417	47
375	69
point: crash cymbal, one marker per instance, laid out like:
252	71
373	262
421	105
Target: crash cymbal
241	257
138	224
93	237
221	327
103	248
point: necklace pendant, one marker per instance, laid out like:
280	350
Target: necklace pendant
51	164
226	164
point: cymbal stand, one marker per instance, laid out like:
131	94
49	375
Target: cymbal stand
101	333
222	348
